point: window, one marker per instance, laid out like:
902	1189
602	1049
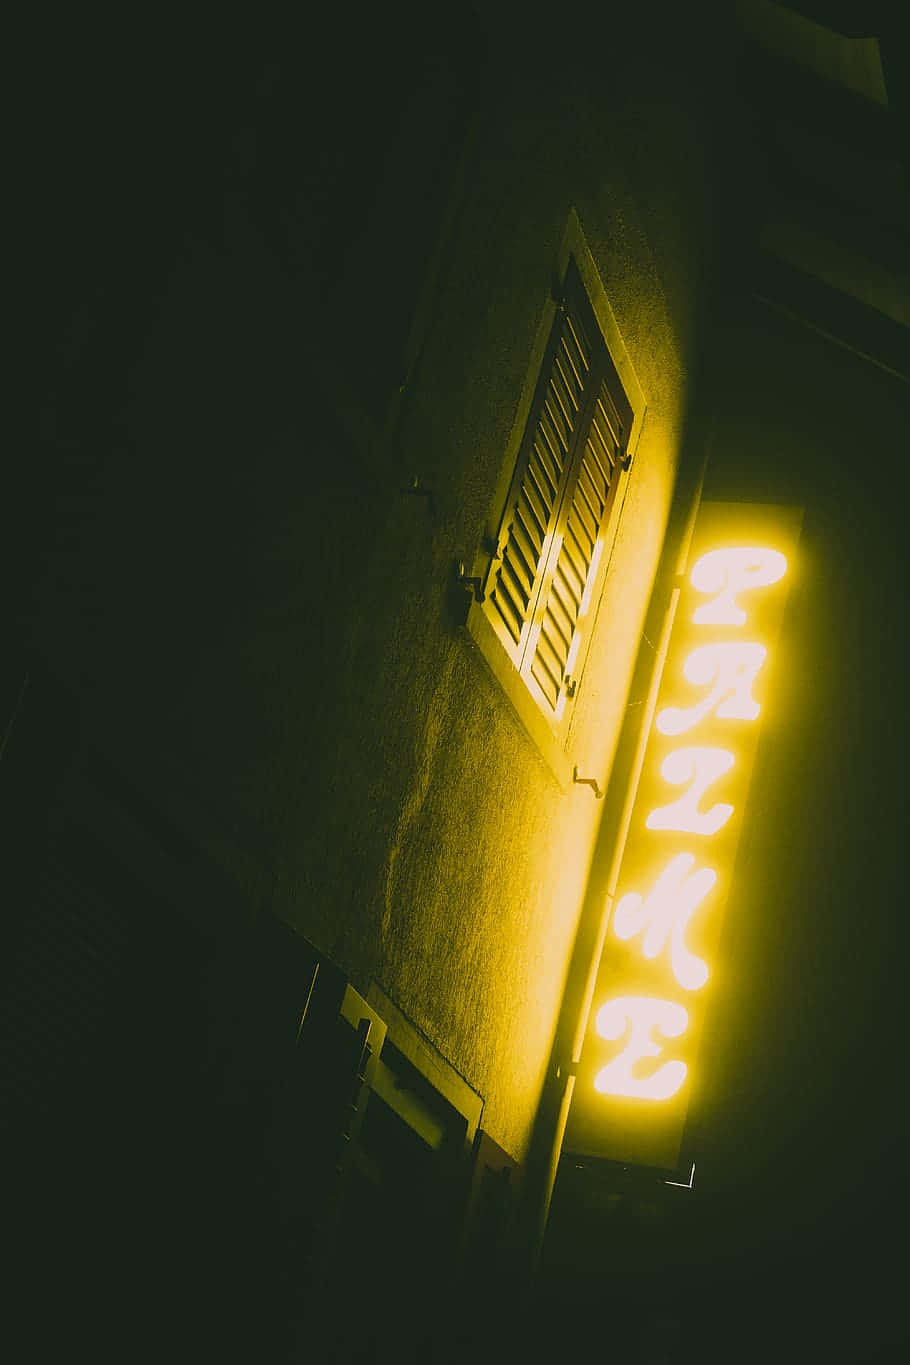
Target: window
541	586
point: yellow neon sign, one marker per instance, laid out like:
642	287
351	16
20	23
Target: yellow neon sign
730	669
635	1073
635	1019
663	915
701	768
729	571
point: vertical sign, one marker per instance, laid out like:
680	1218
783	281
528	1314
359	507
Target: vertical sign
653	989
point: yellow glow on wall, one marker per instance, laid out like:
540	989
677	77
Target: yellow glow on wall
630	1100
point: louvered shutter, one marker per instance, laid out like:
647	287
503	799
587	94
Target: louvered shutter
553	534
538	487
556	638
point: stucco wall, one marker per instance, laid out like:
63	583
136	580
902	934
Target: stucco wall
488	862
265	604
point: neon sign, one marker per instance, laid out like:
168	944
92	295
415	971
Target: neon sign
635	1076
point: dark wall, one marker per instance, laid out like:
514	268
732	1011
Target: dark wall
808	1122
786	1245
223	233
270	274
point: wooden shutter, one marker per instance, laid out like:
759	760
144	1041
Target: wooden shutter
555	641
538	486
553	533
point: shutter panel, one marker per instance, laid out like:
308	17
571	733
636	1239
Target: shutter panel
538	487
540	584
579	548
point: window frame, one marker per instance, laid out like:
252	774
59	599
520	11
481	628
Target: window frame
552	730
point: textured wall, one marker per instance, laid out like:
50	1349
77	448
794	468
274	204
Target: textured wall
478	900
256	600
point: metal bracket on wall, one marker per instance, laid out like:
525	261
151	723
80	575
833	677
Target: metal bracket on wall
684	1184
565	1069
588	782
473	585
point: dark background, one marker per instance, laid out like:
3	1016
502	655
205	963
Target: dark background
135	139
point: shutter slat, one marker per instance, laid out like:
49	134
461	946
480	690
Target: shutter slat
574	354
557	629
584	520
576	332
573	568
510	616
567	383
547	670
566	602
590	515
519	578
563	397
604	449
595	481
558	424
551	656
550	454
569	601
537	501
539	481
561	607
607	414
523	550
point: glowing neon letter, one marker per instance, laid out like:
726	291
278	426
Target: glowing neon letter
700	767
727	572
732	668
639	1015
665	913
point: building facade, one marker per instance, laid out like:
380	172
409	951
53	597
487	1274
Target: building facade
367	454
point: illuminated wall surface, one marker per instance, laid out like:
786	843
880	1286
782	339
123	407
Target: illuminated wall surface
653	993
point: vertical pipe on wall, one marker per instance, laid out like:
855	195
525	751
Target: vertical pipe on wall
601	889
